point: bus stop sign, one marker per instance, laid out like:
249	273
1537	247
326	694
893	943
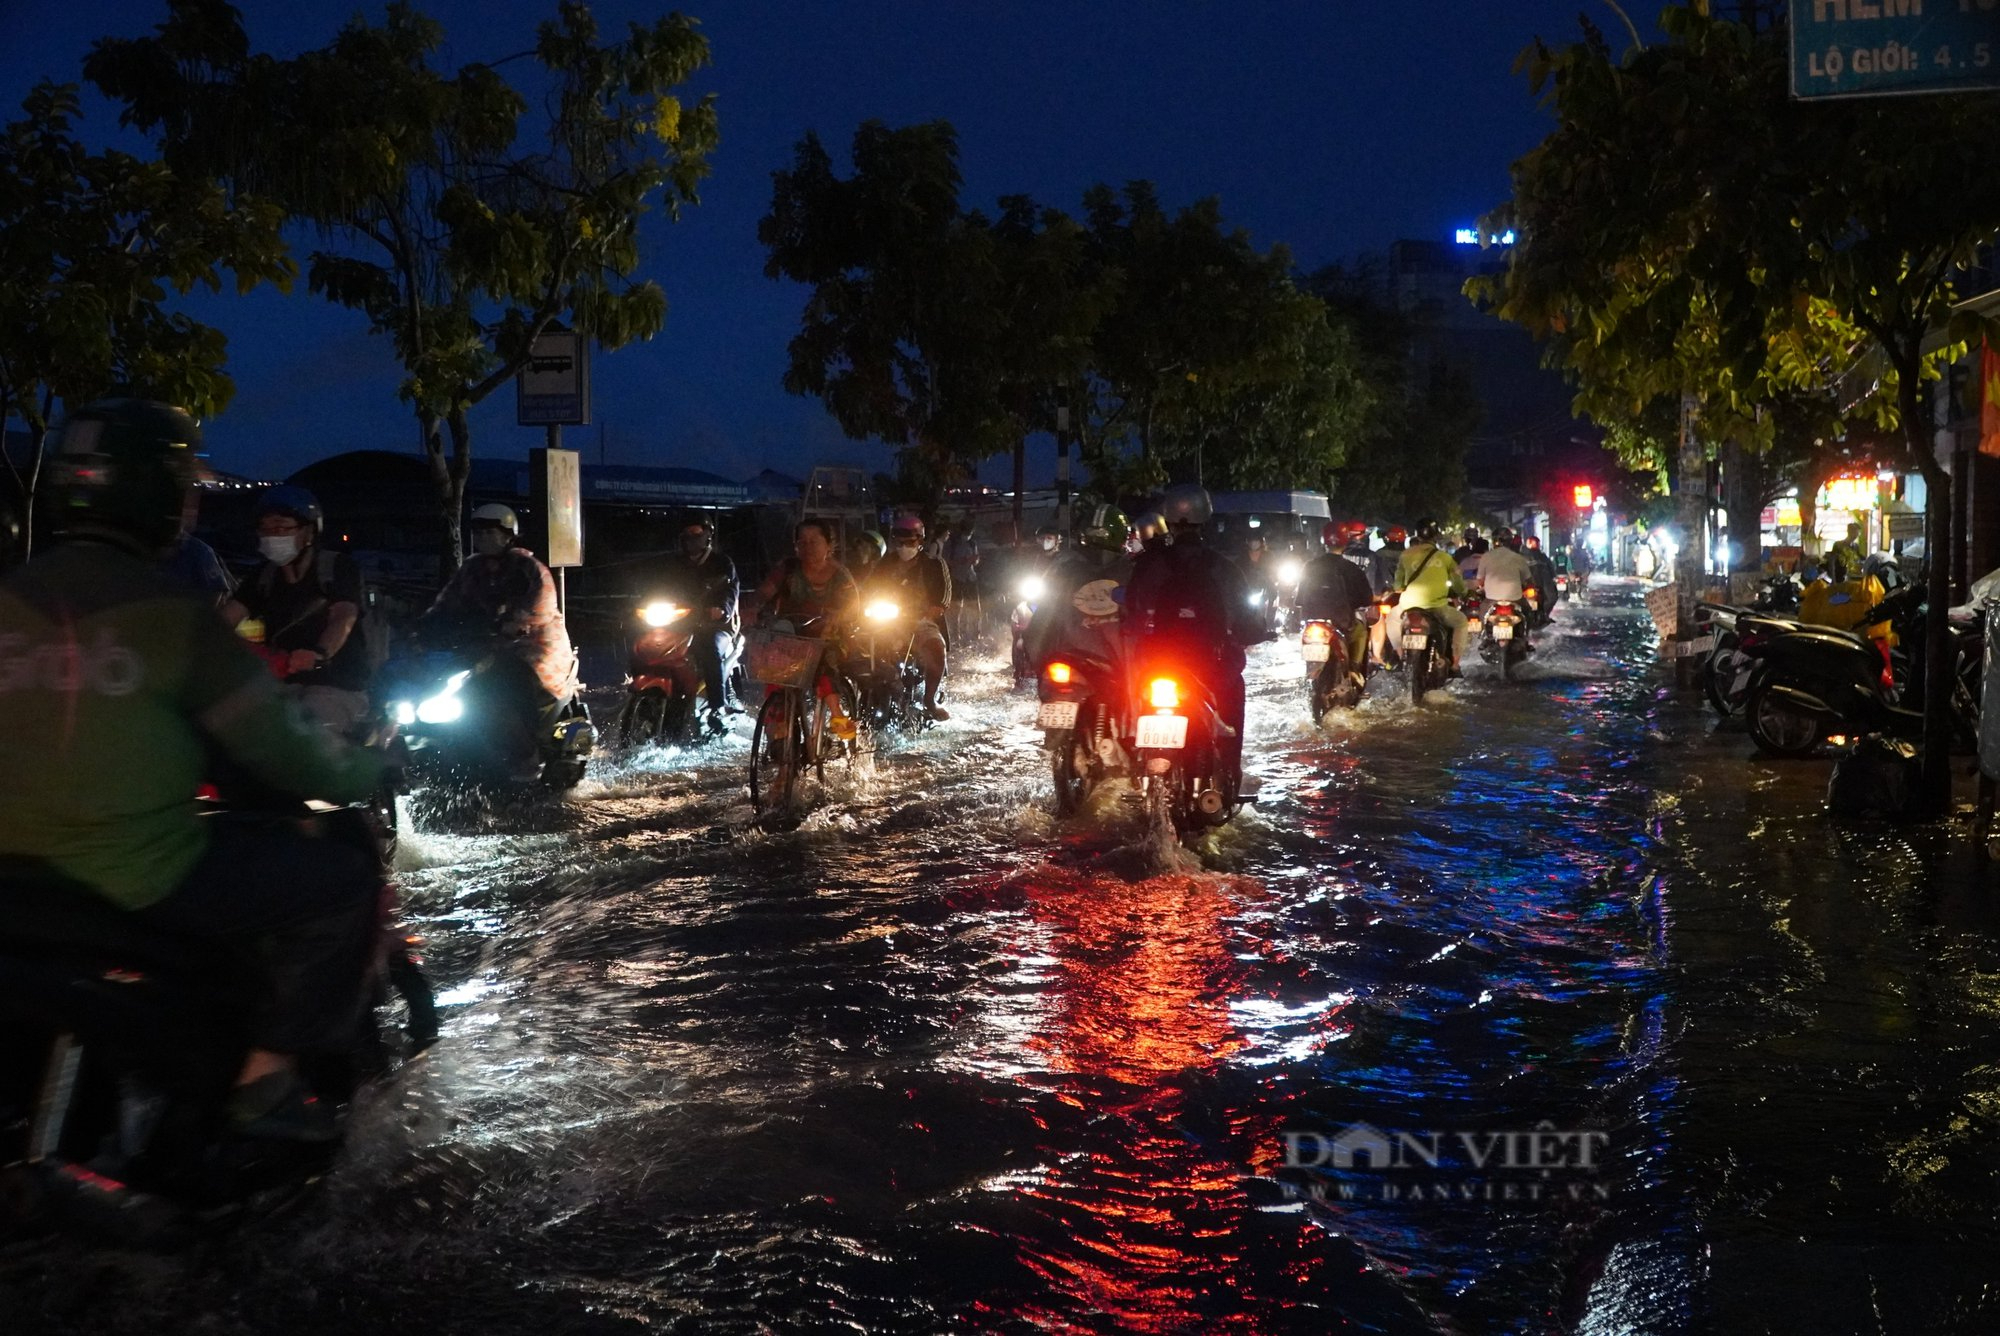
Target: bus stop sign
1879	48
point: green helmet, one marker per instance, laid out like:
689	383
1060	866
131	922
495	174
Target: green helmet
1107	528
124	466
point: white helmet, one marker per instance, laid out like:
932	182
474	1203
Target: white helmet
494	513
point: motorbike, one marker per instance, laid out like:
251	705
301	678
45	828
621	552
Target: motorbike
1425	643
451	710
117	1053
1029	591
1174	746
1502	628
1330	683
882	665
666	699
1082	715
1813	683
1291	573
1730	671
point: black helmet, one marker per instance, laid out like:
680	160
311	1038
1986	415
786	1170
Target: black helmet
1427	531
124	466
1187	506
295	502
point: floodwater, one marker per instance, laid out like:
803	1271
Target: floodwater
1539	1007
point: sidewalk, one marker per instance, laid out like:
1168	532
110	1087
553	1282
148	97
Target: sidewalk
1835	988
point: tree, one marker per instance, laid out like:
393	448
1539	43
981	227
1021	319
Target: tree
92	248
1409	460
1689	230
443	223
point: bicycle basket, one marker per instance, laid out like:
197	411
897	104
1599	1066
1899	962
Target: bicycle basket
779	660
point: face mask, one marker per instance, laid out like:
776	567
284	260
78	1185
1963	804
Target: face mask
906	551
279	550
489	542
1048	545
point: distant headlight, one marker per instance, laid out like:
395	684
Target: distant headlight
883	610
1256	598
1032	588
1291	572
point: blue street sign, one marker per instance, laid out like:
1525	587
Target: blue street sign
1873	48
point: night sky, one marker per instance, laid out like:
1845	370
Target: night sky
1333	126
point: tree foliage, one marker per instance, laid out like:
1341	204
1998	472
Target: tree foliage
1179	349
93	249
442	215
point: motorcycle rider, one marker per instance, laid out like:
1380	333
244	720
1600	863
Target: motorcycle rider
1843	559
1505	575
1334	590
504	594
1544	582
921	585
864	552
1352	535
139	692
1383	573
1260	574
703	577
1151	530
962	557
1426	577
309	601
1082	608
1188	607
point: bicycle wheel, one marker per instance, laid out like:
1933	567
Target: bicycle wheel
777	746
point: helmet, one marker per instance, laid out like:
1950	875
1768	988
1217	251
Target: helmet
1534	543
1396	533
1187	506
1108	529
907	526
1352	532
499	516
873	541
1427	531
1506	537
294	503
125	465
1332	536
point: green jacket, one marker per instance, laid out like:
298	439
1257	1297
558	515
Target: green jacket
115	682
1426	577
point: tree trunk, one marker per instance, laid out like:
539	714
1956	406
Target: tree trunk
1935	793
1020	482
1745	479
450	499
1690	507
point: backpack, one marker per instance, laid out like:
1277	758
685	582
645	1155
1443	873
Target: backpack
369	626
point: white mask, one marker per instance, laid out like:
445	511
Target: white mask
906	552
280	549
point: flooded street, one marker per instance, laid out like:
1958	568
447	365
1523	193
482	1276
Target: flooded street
1636	1037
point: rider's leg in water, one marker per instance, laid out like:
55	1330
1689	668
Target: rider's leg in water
1226	684
306	912
928	647
708	647
1356	641
1455	619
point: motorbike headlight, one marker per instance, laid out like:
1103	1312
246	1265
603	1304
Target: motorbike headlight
882	610
1032	588
1291	572
404	712
1256	598
661	614
445	707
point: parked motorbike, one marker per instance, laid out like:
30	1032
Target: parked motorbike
1174	742
1502	628
666	698
1814	682
1330	683
882	665
1082	715
1426	648
117	1051
458	720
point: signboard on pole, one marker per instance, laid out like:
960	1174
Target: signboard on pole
553	389
1880	48
556	491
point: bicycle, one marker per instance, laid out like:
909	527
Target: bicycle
795	719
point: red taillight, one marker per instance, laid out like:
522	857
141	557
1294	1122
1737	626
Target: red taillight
1318	633
1163	693
1888	673
1059	673
1529	593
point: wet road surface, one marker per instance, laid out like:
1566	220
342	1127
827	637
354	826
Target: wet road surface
1649	1045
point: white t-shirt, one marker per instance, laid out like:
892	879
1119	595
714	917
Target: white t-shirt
1504	574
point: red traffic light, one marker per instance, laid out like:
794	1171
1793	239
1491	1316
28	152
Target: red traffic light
1584	497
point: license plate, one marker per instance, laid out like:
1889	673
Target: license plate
1416	642
1164	732
1056	714
1318	653
1501	631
